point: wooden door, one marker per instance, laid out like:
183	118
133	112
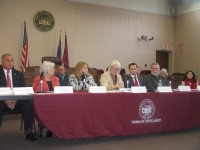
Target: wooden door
162	57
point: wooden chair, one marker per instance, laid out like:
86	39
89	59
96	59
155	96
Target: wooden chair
122	72
34	126
30	74
143	73
55	60
7	112
99	73
16	112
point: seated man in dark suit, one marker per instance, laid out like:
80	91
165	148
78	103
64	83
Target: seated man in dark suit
133	79
63	77
154	80
10	77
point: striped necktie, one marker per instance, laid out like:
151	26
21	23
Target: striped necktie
8	79
136	82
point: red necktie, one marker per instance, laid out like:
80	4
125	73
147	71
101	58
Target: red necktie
8	79
136	82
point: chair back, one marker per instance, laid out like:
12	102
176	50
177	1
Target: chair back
122	72
55	60
143	73
99	73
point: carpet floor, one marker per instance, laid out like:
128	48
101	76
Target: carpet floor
11	137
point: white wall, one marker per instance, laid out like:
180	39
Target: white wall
151	6
187	32
96	34
187	6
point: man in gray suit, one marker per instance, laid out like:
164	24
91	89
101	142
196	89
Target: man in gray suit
133	79
154	80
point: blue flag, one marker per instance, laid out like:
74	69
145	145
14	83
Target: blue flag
59	48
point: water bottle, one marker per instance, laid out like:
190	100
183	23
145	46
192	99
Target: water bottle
160	83
170	83
182	83
197	85
41	82
127	83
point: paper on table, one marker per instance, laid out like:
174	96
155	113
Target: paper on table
63	89
6	91
164	89
184	88
97	89
23	90
138	89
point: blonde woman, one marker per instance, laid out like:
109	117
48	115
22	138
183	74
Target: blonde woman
111	79
81	79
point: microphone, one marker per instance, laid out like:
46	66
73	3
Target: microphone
83	79
115	80
171	77
82	76
41	75
41	81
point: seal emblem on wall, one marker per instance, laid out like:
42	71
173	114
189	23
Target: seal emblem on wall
146	109
43	21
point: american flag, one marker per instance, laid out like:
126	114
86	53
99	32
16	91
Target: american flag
24	59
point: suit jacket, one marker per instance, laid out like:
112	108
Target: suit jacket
106	79
152	82
17	78
63	82
191	82
129	78
45	87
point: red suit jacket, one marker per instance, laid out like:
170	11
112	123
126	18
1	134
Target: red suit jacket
45	87
192	83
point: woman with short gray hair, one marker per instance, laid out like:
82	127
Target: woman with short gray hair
46	66
164	73
47	76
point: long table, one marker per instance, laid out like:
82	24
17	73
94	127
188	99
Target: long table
84	115
17	97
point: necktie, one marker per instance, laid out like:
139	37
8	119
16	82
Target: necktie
8	79
136	82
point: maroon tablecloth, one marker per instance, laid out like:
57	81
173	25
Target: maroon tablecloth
83	115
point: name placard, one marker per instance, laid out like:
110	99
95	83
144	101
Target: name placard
124	89
6	91
138	89
164	89
184	88
23	90
63	89
97	89
198	88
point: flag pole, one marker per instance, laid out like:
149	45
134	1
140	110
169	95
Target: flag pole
59	47
25	55
65	54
